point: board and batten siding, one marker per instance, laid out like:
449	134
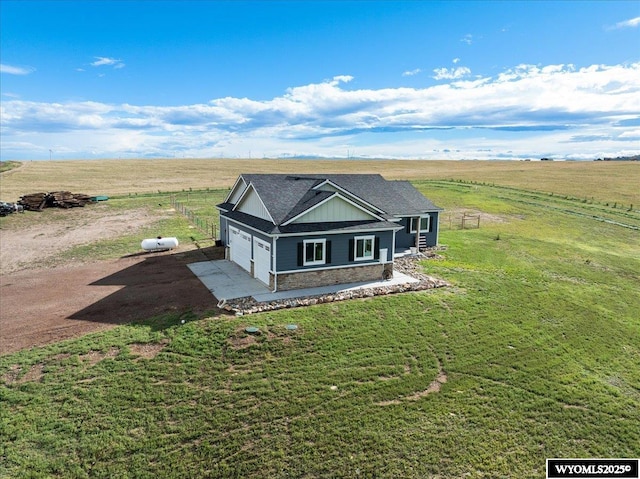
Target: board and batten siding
336	209
287	250
252	205
237	193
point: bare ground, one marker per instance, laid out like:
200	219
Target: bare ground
40	305
28	247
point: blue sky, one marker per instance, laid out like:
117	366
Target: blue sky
390	79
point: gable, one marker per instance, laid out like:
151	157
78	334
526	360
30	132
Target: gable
284	199
236	192
251	204
326	186
336	208
329	186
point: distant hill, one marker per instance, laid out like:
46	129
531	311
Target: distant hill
621	158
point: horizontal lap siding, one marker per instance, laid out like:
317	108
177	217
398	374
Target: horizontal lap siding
432	236
287	250
224	230
406	240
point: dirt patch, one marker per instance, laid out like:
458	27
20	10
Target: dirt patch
434	387
43	306
148	350
28	247
242	342
13	376
94	357
452	218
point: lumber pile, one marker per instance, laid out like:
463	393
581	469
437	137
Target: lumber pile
54	199
34	201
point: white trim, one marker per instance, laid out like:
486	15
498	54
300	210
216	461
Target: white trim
342	232
329	198
422	217
274	260
324	252
372	238
242	197
310	233
233	188
347	192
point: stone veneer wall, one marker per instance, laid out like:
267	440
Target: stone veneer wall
326	277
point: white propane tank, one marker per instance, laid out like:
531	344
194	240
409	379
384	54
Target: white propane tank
159	244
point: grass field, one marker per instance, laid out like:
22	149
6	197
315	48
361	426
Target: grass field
536	346
612	182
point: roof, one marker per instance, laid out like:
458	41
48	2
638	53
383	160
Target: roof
287	196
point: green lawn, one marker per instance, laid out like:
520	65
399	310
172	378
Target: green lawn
538	339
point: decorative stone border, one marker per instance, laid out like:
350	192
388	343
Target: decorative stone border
408	265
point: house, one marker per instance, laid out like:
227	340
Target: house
299	231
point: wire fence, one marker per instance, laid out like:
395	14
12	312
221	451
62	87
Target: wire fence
460	221
203	225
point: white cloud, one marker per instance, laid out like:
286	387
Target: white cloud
631	23
568	110
410	73
455	61
450	73
106	61
13	70
468	39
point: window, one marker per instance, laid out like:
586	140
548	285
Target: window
364	246
314	252
425	223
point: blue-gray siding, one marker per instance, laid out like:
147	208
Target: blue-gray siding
405	239
287	249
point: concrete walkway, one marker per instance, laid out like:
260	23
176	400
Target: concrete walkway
227	280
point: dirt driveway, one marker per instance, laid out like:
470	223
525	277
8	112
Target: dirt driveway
39	306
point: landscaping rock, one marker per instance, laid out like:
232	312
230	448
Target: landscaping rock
408	265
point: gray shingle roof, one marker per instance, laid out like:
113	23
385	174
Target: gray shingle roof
286	196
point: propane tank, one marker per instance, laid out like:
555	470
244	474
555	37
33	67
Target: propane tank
159	244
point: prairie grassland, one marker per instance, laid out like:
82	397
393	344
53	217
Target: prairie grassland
532	353
613	182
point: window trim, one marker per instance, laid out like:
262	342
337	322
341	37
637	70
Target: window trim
422	230
372	238
323	241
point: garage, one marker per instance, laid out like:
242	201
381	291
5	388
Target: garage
240	248
261	260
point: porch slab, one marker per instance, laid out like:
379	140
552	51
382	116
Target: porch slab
226	280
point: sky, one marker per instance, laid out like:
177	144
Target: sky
330	79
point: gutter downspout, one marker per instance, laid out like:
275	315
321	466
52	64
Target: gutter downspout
275	269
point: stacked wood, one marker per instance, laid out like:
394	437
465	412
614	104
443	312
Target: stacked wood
66	199
34	201
54	199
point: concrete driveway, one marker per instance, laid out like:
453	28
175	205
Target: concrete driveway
227	280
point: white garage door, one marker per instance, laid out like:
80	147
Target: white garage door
240	248
261	259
